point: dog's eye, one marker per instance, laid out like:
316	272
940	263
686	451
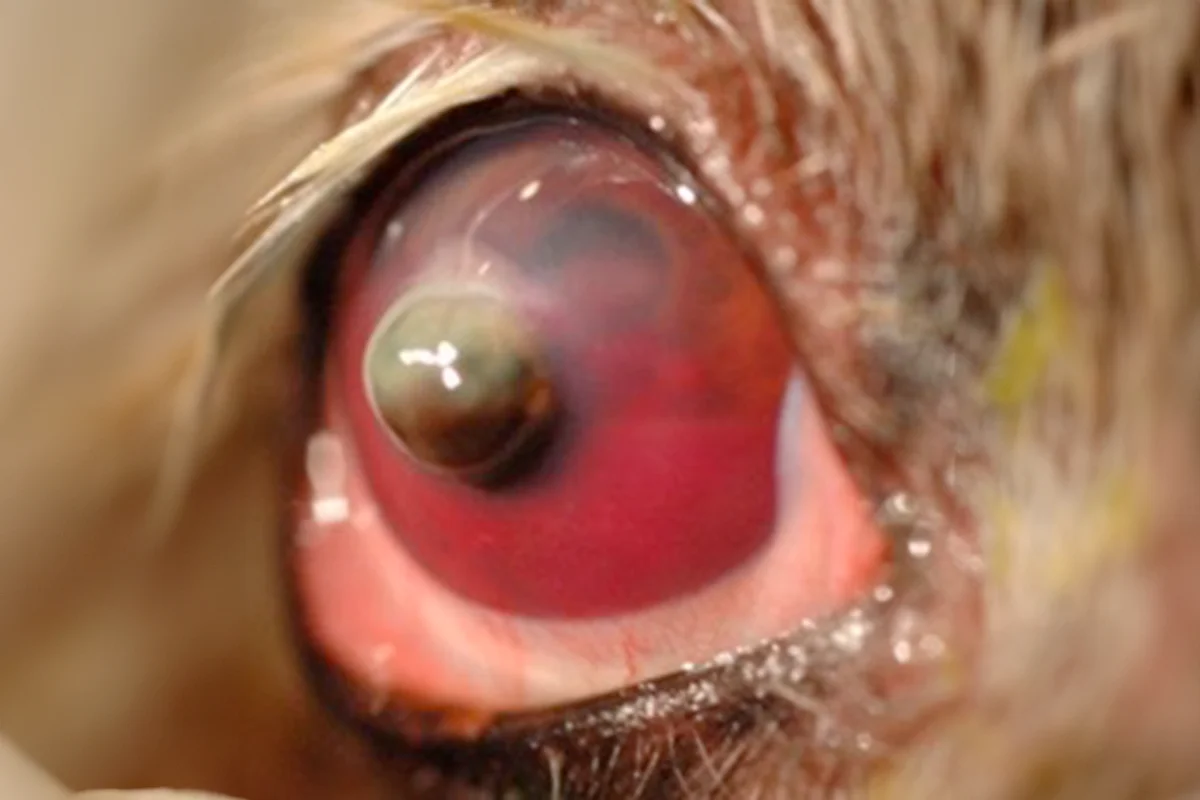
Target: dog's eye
561	442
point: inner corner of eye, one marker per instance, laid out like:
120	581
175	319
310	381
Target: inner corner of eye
560	444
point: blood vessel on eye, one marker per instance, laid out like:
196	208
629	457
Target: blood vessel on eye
665	356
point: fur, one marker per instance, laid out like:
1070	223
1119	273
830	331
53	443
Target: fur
992	206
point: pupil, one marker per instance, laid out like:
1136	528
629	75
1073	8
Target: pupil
462	384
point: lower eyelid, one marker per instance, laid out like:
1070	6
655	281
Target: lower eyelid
394	629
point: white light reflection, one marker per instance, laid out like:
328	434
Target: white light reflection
788	447
686	194
920	548
443	356
328	510
392	234
325	465
530	190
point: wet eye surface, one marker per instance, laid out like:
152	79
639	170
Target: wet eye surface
560	442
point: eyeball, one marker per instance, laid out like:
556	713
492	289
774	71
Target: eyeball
562	444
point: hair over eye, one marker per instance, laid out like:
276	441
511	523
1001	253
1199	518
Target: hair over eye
562	444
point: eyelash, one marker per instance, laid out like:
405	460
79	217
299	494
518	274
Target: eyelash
623	735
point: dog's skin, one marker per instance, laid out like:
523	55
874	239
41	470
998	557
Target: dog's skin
994	289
